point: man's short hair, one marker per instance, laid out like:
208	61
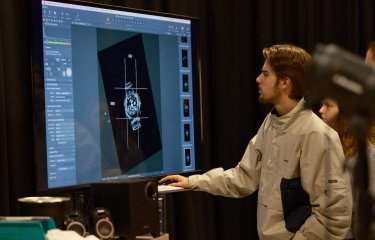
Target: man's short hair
287	60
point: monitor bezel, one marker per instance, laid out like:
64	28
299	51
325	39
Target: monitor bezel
40	152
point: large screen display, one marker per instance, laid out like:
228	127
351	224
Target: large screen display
116	93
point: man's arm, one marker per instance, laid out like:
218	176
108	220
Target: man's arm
235	182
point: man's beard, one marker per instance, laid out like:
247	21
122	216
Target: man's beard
275	96
262	100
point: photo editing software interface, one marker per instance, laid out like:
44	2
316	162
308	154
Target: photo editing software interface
119	91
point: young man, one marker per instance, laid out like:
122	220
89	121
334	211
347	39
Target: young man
295	161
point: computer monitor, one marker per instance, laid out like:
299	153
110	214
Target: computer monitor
116	93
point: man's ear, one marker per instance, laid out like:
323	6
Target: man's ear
285	83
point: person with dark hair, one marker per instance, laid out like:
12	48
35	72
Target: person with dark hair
294	162
337	119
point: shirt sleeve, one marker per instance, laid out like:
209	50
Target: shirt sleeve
327	182
239	181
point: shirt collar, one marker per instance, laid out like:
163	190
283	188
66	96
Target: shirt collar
286	118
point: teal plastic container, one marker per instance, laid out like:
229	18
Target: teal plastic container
35	228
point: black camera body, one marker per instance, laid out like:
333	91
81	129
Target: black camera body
341	75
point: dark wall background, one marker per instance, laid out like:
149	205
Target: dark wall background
232	36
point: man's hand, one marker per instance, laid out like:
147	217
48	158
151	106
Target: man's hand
175	181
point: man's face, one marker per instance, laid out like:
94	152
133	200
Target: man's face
369	60
269	91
